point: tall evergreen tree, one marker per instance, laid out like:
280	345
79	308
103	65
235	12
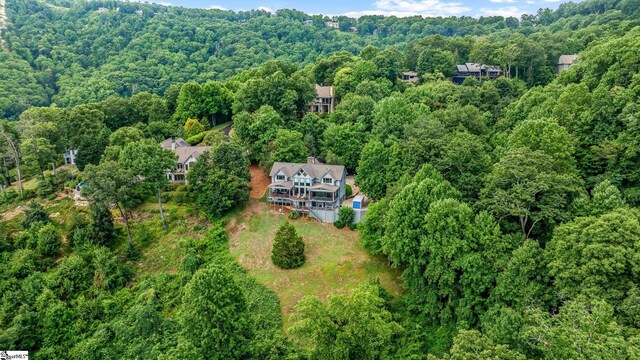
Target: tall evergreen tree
288	248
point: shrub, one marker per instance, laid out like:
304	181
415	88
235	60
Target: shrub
35	213
23	262
348	190
28	194
195	139
49	240
192	127
288	248
8	197
345	217
46	186
294	215
79	231
109	273
214	137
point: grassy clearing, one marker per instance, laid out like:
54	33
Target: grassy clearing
221	126
336	261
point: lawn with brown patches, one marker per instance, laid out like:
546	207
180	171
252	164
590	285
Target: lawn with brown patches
336	261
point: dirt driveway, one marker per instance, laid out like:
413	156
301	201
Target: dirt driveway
259	182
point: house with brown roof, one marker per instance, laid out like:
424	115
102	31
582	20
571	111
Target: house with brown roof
187	155
311	188
565	62
324	102
409	76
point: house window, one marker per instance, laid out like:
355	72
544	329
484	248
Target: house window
326	180
279	177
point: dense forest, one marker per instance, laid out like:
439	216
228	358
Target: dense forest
68	53
509	206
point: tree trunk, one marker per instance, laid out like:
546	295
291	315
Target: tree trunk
16	156
19	174
164	222
54	166
125	216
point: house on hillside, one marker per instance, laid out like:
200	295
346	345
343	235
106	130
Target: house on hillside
324	102
70	157
187	155
312	188
565	62
332	24
409	76
477	71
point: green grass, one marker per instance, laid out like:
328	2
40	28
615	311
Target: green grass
221	126
336	261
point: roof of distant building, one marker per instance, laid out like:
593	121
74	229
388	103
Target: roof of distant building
313	168
567	59
180	142
324	91
409	73
183	149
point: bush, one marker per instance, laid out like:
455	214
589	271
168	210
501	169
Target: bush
46	186
8	197
192	127
288	248
348	190
49	240
195	139
35	213
345	217
28	194
294	215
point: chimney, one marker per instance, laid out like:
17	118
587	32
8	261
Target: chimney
311	160
173	144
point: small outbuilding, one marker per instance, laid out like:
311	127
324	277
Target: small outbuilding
358	202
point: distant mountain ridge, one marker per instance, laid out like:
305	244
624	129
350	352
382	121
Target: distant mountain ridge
70	52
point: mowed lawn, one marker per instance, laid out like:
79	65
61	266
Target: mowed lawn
336	261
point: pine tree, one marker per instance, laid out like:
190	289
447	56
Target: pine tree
35	213
102	229
288	248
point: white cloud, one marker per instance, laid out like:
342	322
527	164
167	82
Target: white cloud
163	3
503	11
267	9
216	7
502	1
405	8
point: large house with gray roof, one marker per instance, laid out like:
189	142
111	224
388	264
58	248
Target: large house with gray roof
312	188
477	71
187	155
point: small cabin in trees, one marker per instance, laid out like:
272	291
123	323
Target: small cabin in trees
187	155
311	188
565	62
324	102
477	71
409	76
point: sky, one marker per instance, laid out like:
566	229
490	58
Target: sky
356	8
